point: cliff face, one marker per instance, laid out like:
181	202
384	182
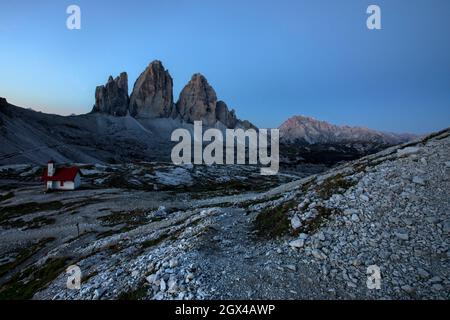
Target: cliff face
152	95
112	98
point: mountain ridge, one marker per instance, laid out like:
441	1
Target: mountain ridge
312	131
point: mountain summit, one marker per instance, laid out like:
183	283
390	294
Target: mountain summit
152	98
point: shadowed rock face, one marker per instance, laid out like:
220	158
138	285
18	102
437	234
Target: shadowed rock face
152	95
228	118
112	98
198	101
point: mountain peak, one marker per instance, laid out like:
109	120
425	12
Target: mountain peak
152	95
112	98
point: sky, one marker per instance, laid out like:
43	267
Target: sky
267	59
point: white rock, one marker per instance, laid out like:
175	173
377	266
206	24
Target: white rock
402	235
98	293
295	222
173	287
291	267
189	277
355	218
418	180
173	263
151	278
363	197
303	236
318	254
407	151
299	243
447	164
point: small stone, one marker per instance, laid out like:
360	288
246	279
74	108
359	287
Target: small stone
407	289
299	243
189	277
318	254
407	151
446	226
172	285
279	251
436	279
173	263
295	222
437	287
303	236
418	180
447	164
98	293
355	218
151	278
363	197
423	273
402	235
291	267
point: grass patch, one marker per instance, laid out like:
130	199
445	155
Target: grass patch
153	242
24	285
313	225
24	255
35	223
7	196
132	219
137	294
28	208
274	222
333	185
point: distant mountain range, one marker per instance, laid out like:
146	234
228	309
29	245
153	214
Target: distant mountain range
307	130
122	128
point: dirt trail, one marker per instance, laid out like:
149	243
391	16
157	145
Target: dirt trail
235	264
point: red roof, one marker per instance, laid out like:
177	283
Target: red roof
62	174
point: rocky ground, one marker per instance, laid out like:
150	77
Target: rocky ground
309	238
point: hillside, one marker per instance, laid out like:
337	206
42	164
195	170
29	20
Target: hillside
310	238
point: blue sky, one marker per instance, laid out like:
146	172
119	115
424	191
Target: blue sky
267	59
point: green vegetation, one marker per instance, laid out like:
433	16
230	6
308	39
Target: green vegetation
274	222
137	294
313	225
24	285
131	219
7	196
28	208
24	255
153	242
333	185
35	223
